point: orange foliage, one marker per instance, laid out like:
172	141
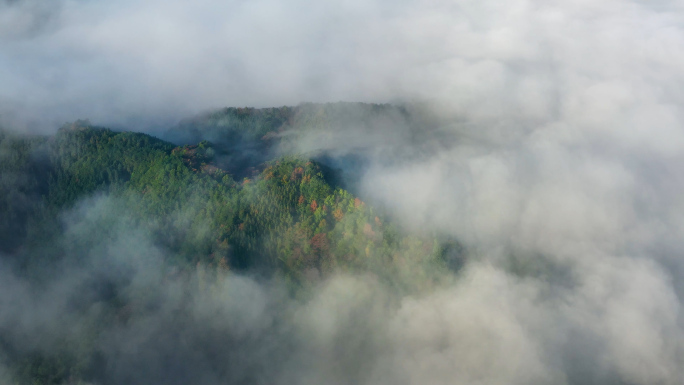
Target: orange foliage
338	214
297	173
314	205
301	199
368	230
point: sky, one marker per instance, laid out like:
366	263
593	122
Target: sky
568	120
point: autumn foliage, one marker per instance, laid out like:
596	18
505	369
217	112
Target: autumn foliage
338	214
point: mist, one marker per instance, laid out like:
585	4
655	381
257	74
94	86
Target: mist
147	64
549	143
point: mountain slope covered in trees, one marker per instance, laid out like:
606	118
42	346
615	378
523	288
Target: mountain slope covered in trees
211	208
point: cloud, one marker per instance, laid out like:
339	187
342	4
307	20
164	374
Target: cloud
613	320
560	174
155	62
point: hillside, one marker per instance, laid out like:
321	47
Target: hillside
67	198
286	215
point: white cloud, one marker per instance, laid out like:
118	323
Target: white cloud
569	144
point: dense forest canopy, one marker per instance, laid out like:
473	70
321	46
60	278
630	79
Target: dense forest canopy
241	202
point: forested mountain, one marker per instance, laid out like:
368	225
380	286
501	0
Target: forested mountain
235	203
340	135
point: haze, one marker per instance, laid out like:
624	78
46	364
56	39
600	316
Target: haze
565	122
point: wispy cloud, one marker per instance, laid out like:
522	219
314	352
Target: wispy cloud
562	177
